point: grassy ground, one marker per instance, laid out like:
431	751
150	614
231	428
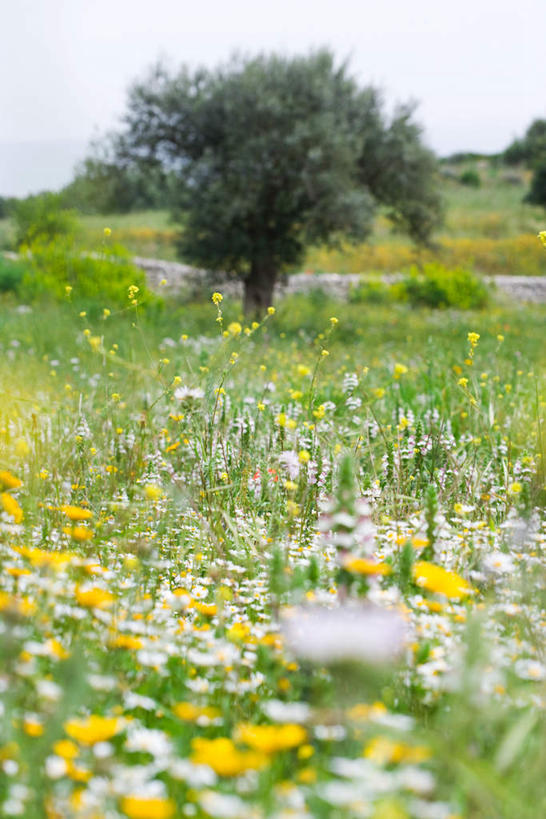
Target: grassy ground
187	503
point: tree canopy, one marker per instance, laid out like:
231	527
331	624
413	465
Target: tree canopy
272	154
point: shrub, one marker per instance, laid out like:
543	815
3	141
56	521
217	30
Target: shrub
434	285
58	268
11	275
372	291
470	178
537	192
42	217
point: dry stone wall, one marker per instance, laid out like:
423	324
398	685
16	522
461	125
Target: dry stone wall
182	278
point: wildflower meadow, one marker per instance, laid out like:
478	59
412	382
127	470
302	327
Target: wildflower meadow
284	568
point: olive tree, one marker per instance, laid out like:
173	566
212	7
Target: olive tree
272	154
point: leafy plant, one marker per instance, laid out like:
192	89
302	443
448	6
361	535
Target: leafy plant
470	178
11	275
42	217
434	285
61	269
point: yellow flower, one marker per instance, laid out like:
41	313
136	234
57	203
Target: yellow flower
302	370
76	513
385	751
473	338
40	558
224	758
92	729
188	712
80	533
32	727
12	507
270	311
515	488
107	231
462	382
360	565
8	480
21	447
95	598
126	641
95	342
542	237
378	392
436	579
235	328
217	297
269	739
304	456
153	492
66	749
140	807
399	370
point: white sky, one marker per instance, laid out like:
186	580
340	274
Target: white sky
476	67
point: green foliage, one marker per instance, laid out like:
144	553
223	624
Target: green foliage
42	217
103	185
537	192
434	285
11	274
470	178
273	154
372	290
531	149
60	269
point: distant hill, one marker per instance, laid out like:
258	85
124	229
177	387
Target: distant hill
31	167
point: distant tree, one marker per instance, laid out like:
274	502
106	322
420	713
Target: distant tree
537	191
272	154
531	149
103	183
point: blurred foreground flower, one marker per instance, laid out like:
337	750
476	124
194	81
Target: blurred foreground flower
367	634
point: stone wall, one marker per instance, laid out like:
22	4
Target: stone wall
183	278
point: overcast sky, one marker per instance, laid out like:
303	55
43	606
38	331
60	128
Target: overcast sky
476	67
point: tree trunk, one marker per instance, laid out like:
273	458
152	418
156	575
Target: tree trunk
258	293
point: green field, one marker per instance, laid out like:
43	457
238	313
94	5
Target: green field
487	229
295	569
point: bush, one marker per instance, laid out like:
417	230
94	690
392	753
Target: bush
372	291
470	178
60	268
11	275
42	217
434	285
537	192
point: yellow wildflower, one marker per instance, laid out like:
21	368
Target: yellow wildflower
8	480
11	507
76	513
224	758
436	579
153	492
270	739
188	712
399	370
92	729
360	565
217	297
95	598
140	807
235	328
